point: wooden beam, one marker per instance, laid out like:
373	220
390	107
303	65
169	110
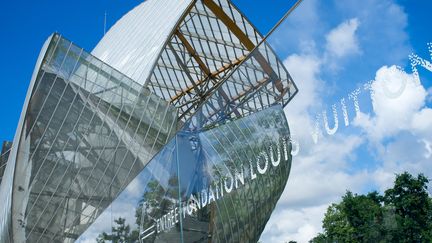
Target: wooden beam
218	11
213	74
192	52
243	38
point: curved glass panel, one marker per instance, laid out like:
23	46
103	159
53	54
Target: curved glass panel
219	184
81	161
87	132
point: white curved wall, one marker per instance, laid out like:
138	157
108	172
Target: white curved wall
133	44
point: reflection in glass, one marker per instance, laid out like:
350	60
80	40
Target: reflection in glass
219	184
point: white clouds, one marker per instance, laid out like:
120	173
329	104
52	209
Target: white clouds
317	179
105	221
394	114
399	131
134	189
382	35
305	69
406	152
294	224
398	115
342	41
400	126
428	147
318	169
380	31
422	122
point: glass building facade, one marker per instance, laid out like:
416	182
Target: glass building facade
186	133
219	184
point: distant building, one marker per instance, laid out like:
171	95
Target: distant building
174	121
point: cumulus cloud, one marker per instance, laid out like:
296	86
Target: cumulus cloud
382	31
294	224
398	104
428	147
305	68
397	132
342	41
421	122
406	152
318	167
314	183
400	126
321	173
324	163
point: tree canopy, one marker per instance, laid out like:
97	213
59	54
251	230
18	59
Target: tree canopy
402	214
121	233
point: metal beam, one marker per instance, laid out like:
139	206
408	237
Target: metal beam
235	98
185	69
80	197
212	39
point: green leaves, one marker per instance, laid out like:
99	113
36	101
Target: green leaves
121	233
403	214
410	200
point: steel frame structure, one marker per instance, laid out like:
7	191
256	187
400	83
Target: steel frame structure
211	39
87	128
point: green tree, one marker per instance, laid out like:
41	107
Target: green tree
320	238
412	207
365	216
336	225
155	202
120	233
403	214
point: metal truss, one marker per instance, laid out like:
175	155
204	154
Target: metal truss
212	45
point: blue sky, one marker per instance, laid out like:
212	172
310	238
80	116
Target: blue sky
331	48
24	30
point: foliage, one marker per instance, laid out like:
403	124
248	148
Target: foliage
402	214
412	206
156	201
120	233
